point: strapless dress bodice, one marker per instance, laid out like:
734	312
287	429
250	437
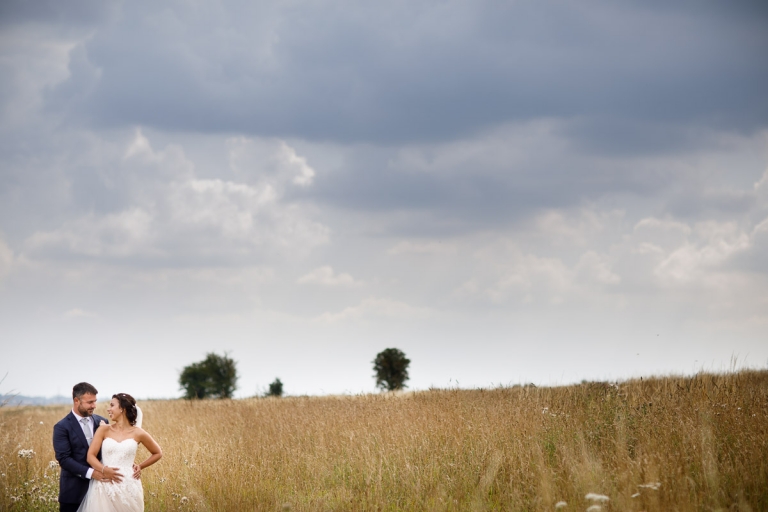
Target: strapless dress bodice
120	454
126	496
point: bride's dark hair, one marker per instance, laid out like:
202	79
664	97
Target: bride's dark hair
128	405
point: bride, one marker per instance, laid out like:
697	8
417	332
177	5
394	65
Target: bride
118	442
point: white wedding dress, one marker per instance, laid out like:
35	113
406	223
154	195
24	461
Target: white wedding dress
128	495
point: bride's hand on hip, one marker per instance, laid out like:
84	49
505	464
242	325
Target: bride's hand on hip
112	474
137	472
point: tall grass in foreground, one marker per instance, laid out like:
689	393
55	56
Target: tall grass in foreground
693	443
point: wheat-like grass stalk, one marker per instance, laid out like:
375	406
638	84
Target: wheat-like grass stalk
675	443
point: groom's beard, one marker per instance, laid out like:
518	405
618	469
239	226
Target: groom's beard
83	412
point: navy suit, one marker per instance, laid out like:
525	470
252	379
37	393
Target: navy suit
71	449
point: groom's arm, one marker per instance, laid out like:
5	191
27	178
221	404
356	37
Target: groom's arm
63	449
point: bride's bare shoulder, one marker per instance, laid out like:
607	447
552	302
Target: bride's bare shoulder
101	430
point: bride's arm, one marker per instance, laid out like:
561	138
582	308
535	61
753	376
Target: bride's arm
154	449
100	469
93	450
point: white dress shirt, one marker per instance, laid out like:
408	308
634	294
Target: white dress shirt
89	474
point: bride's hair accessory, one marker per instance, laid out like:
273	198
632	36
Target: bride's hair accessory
128	405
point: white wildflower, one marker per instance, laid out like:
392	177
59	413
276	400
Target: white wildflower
637	494
560	504
26	454
653	485
53	464
600	498
183	500
594	508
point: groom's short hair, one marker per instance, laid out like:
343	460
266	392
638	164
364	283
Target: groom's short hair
82	388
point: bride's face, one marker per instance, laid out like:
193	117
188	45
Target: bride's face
114	411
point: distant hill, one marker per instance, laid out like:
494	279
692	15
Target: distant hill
34	400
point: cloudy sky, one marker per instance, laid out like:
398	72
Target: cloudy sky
508	191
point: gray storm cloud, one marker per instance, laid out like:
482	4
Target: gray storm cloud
628	76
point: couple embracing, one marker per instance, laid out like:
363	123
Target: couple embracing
98	472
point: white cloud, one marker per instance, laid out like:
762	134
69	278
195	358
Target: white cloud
713	243
122	234
597	268
468	289
761	186
667	225
140	147
6	259
77	313
530	278
534	277
32	61
230	209
761	229
654	235
208	278
143	161
325	276
574	228
372	308
417	247
174	214
270	160
304	173
521	269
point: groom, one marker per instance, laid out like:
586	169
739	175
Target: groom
71	438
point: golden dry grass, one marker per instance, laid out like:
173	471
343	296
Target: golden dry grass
703	439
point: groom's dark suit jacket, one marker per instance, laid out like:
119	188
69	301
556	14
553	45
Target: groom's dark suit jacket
71	449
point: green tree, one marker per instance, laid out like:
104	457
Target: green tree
391	369
276	388
213	377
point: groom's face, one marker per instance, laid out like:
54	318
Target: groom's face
85	405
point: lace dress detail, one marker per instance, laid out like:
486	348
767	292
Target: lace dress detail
128	495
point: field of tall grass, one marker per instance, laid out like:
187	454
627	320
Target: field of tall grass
675	443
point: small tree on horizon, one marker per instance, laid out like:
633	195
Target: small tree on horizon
276	388
391	369
213	377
